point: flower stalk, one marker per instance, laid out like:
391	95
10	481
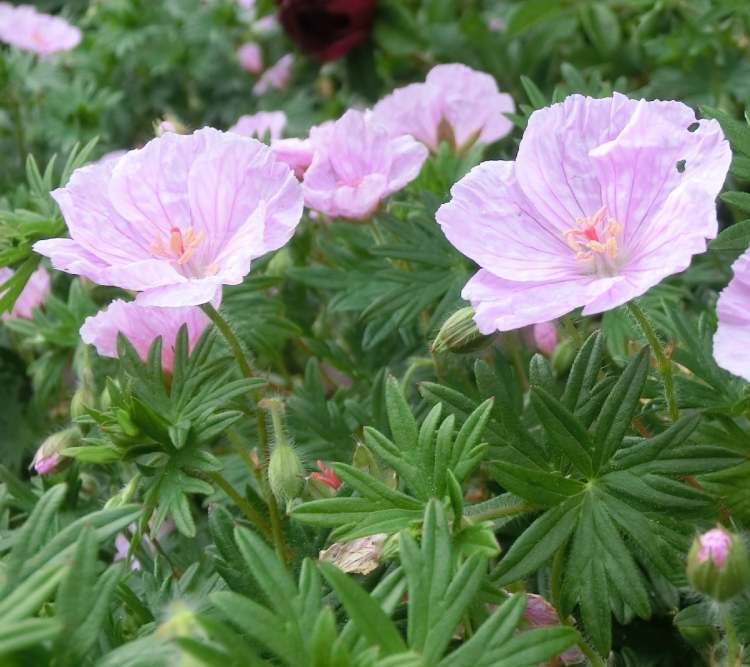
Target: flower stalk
664	365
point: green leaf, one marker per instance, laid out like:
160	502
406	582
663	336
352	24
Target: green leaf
539	487
365	613
735	238
565	432
538	542
29	632
619	408
530	13
740	200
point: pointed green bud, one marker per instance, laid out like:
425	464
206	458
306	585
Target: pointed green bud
459	334
718	564
697	626
563	356
280	262
285	472
83	398
49	458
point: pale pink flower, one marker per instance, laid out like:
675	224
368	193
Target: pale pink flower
545	337
142	325
715	546
246	4
606	198
296	153
357	164
541	614
26	28
455	104
250	56
731	349
258	124
178	218
32	296
277	76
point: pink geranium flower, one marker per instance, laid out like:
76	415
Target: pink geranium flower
258	124
277	76
731	350
715	545
541	614
32	296
296	153
455	104
250	56
357	164
30	30
142	325
606	198
178	218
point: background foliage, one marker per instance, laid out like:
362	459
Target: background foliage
491	472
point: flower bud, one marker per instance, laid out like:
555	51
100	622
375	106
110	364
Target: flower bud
250	56
459	333
563	356
718	564
285	471
169	124
545	337
48	458
127	425
83	398
696	625
326	476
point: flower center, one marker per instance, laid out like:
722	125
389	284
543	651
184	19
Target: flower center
180	247
594	238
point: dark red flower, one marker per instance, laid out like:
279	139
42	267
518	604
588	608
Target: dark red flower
328	29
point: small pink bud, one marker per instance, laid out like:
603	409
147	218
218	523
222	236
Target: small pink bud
44	465
545	337
250	56
714	546
718	564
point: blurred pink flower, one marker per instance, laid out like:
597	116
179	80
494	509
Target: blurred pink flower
714	546
731	349
455	104
541	614
142	325
606	198
296	153
266	24
250	56
246	4
259	123
26	28
277	76
32	296
178	218
357	164
545	337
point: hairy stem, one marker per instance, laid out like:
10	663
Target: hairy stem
253	515
730	635
663	363
236	346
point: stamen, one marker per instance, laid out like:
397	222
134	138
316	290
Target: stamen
594	236
180	247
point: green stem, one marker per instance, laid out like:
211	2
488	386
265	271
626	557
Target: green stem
571	330
16	113
730	634
229	335
273	509
594	658
664	364
253	515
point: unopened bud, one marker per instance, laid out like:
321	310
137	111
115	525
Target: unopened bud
49	458
545	337
280	262
459	333
285	471
718	564
563	356
326	476
83	398
696	625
